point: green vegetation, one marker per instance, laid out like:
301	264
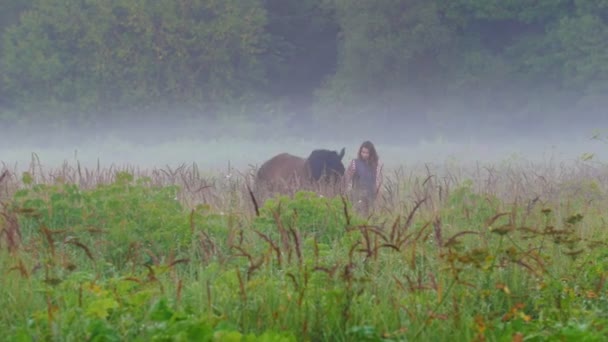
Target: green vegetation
145	258
69	62
172	255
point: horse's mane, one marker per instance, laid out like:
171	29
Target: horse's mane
318	160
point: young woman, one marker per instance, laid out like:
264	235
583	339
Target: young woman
364	177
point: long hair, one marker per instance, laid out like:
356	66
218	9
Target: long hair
373	155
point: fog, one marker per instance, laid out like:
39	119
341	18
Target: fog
249	141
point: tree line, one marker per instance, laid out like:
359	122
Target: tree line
421	61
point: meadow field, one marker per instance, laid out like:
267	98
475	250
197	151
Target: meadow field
468	243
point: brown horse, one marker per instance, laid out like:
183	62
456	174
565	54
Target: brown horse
285	172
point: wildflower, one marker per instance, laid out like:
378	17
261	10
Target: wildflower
518	337
480	324
504	288
526	318
591	294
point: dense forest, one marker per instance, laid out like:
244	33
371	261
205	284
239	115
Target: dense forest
421	63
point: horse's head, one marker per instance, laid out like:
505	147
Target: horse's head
326	163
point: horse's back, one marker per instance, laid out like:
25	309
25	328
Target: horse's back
282	167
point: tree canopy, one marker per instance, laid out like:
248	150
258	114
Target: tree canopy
417	60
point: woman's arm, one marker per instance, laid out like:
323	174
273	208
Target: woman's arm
350	172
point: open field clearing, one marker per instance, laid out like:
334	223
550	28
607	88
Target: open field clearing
505	250
216	155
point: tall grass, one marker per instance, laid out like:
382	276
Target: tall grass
490	252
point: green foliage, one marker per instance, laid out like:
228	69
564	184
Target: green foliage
131	213
465	207
96	53
118	309
9	15
497	10
73	60
303	49
389	50
583	51
313	215
475	268
398	52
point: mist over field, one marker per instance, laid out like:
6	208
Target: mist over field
140	150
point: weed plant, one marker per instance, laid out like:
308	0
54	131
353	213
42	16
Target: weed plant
492	253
